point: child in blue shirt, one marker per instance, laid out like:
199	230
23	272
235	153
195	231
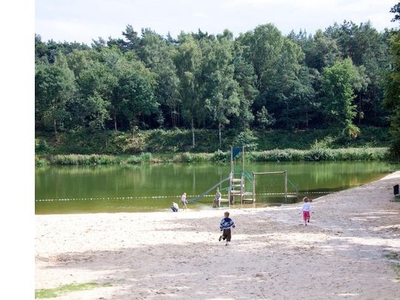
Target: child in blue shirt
225	226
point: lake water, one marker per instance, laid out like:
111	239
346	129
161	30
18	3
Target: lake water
131	188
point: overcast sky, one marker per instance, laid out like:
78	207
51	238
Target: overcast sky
84	20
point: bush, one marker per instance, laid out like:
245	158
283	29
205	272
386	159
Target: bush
41	146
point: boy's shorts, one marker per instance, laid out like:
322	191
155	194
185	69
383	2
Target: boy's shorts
227	234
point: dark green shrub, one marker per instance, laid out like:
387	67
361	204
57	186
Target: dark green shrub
220	156
42	147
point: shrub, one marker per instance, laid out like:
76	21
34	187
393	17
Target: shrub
220	156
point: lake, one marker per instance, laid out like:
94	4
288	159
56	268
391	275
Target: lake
146	188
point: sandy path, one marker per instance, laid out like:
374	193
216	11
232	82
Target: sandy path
350	250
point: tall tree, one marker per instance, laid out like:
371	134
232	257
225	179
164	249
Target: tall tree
133	96
158	56
276	61
92	107
188	63
287	87
338	88
245	77
320	51
392	91
260	49
54	88
221	92
368	50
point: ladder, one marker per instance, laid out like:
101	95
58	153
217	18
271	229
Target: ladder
237	192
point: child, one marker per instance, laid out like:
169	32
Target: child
217	199
225	226
174	207
184	201
306	209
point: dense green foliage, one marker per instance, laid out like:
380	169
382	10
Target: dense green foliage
392	92
175	145
238	88
293	155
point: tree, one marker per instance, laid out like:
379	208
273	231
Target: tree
286	87
369	52
220	90
188	63
54	89
396	10
158	55
245	77
133	96
259	55
338	82
264	118
96	84
320	51
392	91
276	61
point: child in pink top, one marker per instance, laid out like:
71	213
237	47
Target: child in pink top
306	209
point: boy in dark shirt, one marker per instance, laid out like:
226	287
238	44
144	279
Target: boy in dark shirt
225	226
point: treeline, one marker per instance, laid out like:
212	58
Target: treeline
260	80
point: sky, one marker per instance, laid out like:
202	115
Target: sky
83	21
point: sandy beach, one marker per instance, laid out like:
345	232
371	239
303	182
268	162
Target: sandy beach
349	250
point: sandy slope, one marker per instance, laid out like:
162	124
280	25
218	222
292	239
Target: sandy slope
350	250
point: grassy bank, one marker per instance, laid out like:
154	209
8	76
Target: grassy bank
349	154
181	146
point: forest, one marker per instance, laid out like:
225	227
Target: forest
343	78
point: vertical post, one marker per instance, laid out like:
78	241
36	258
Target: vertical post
230	198
242	190
254	187
285	185
231	160
243	158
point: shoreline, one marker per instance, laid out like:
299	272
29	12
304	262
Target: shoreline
351	248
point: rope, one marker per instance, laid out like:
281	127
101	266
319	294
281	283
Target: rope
103	198
157	197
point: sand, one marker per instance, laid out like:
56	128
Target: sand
349	250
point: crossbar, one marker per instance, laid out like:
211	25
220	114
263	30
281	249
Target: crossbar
265	173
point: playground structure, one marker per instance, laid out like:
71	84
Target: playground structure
242	184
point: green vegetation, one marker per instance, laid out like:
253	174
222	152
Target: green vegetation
179	141
351	154
65	289
392	87
160	146
103	99
394	259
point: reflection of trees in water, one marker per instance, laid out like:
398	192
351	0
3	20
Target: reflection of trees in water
158	185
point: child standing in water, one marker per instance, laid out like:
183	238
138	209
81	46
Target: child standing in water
306	209
225	225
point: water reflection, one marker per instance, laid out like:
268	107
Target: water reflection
153	187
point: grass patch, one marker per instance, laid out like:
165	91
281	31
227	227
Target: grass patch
65	289
394	259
